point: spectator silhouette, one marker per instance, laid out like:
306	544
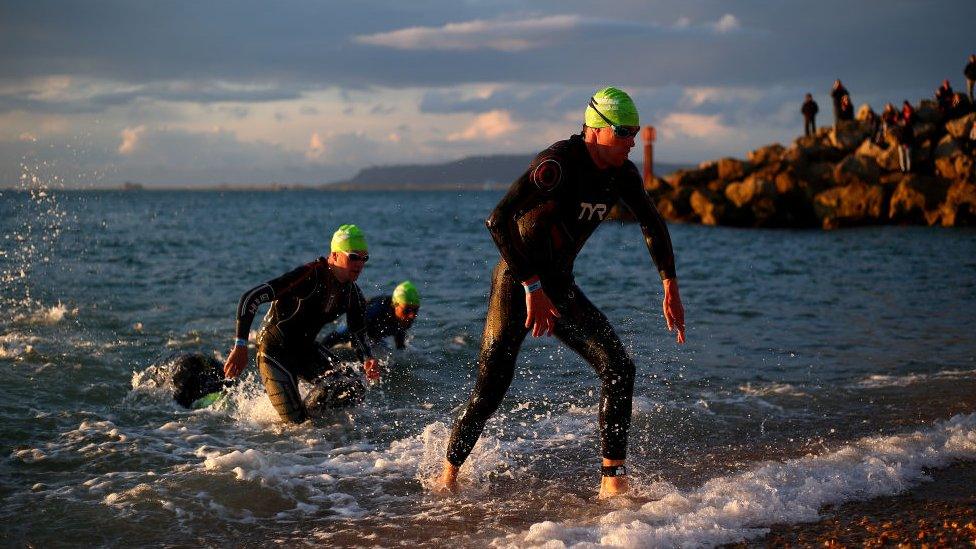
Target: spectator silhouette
809	110
837	93
970	72
846	109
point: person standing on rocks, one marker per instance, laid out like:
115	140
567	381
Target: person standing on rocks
837	93
944	96
906	137
889	120
970	72
809	110
846	112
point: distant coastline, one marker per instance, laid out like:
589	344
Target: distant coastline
473	173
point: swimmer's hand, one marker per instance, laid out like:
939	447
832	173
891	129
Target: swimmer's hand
372	369
674	311
540	313
236	362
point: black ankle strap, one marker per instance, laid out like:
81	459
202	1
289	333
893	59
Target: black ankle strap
613	470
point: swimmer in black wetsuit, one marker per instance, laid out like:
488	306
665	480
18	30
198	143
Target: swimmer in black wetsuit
304	300
386	315
539	227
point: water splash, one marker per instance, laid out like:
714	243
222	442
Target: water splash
30	243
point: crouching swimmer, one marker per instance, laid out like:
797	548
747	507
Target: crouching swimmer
302	302
386	315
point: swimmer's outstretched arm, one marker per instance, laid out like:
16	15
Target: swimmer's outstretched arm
356	324
294	281
658	241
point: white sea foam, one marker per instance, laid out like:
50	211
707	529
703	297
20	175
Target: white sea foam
771	388
14	345
733	508
878	381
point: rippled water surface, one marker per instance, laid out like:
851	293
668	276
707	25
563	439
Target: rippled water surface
820	367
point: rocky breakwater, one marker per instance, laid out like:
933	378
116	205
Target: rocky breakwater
836	178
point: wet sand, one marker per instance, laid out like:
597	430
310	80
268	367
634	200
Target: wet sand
940	513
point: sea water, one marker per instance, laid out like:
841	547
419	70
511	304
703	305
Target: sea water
820	367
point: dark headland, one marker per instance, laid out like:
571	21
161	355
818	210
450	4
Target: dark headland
493	172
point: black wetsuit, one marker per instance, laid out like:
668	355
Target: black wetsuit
304	300
539	228
381	321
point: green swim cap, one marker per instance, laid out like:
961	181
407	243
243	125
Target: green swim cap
614	104
207	400
406	294
348	238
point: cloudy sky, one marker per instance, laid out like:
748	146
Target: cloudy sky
204	92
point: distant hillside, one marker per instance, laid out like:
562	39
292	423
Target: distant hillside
474	172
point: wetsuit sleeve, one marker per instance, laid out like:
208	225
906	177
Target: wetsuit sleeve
284	285
655	231
356	323
534	186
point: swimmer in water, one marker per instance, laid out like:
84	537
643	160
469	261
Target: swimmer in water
302	302
539	227
386	315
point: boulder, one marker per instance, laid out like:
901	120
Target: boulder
885	158
927	112
848	135
856	168
767	154
918	199
693	178
656	186
854	204
944	157
819	173
749	190
960	205
926	130
793	205
708	206
864	112
960	127
732	169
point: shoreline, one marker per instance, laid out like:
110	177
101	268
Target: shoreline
940	512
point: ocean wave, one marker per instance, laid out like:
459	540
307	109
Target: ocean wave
771	388
878	381
734	508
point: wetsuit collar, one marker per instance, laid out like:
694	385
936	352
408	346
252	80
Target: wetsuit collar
577	141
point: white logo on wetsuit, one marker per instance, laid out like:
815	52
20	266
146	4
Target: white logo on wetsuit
588	210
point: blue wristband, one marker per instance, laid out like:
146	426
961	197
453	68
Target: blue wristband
240	342
529	288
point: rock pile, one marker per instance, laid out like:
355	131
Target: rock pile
836	178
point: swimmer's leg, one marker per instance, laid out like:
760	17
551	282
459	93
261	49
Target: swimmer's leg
281	384
588	332
504	332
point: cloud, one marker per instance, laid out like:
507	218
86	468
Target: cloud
315	147
487	126
506	35
130	139
727	23
693	125
27	137
68	95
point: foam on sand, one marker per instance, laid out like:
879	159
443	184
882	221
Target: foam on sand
733	508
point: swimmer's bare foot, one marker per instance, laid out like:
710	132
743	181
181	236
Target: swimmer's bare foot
613	486
614	480
447	483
